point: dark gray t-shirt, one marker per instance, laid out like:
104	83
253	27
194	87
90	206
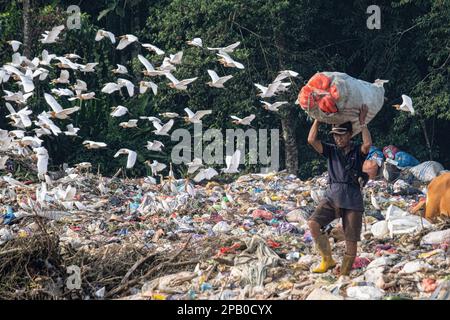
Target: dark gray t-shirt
342	191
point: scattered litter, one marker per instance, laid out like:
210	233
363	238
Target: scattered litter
248	239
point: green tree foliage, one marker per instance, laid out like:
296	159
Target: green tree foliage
411	50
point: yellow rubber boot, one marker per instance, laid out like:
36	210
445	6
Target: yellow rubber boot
347	263
324	248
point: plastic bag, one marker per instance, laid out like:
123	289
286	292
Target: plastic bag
436	237
390	152
262	214
380	229
297	215
320	294
375	153
221	227
5	235
336	97
408	224
426	171
415	266
375	276
365	293
390	171
401	222
394	212
404	160
380	262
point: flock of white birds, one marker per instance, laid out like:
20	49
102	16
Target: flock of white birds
25	72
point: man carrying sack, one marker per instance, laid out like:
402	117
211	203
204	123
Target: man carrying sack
343	198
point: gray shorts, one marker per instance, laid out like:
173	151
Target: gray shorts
351	219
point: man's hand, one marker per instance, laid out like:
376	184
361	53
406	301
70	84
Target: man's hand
363	114
367	139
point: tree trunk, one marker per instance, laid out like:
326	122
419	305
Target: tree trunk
288	125
27	28
427	140
288	117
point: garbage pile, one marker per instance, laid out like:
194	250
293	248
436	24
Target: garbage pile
84	236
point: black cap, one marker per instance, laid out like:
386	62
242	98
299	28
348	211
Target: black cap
342	128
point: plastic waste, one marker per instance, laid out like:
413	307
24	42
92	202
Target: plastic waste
442	291
100	293
379	262
262	214
365	293
426	171
307	237
429	285
221	227
390	170
375	276
375	153
335	97
293	255
205	286
9	216
404	160
390	151
5	235
297	215
320	294
285	227
407	224
134	206
415	266
380	229
360	262
436	237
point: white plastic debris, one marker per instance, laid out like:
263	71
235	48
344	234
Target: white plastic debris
394	212
380	229
415	266
426	171
320	294
100	293
379	262
5	235
297	215
401	222
365	293
375	276
221	227
409	224
436	237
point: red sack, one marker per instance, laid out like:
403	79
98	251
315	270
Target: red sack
319	81
327	104
305	96
318	90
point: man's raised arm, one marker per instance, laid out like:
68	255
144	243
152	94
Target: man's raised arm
367	139
312	137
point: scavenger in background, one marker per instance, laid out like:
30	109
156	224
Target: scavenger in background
343	198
